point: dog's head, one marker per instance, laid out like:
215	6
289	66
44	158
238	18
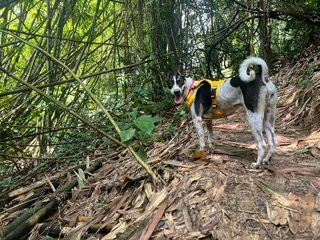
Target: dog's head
176	84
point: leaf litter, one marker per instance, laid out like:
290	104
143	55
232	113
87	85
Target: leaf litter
198	195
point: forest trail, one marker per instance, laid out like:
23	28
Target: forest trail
216	197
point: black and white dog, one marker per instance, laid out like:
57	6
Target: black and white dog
252	88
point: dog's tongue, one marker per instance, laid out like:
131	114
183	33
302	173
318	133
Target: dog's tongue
178	100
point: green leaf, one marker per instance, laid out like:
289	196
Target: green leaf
134	113
47	238
142	154
146	123
127	134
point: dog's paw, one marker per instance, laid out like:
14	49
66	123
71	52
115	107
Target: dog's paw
265	161
255	165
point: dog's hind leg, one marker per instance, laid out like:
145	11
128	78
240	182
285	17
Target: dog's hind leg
200	131
269	129
198	123
210	135
256	125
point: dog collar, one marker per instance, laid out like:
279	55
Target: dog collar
192	85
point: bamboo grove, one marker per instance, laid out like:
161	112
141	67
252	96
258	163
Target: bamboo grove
77	76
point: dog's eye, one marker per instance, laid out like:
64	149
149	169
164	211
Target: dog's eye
170	83
180	80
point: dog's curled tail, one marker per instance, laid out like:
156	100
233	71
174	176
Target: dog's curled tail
243	74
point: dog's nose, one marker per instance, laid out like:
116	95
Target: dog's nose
177	93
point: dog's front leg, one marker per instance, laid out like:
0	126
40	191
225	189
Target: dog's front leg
197	121
210	135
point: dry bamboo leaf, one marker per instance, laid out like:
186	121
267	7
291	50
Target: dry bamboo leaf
315	152
283	140
119	228
148	190
175	182
178	164
295	201
316	183
198	155
170	220
227	126
50	183
147	232
315	224
277	215
301	171
139	200
307	205
74	194
294	222
195	176
317	203
155	200
30	187
280	198
186	216
220	190
288	117
82	181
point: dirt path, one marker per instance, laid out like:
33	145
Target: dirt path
217	197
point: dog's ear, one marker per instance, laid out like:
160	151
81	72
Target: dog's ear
181	70
168	77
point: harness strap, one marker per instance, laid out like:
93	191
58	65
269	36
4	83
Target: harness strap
214	94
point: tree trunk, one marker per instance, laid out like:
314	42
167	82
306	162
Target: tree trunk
265	36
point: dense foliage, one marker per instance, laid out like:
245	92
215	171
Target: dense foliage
121	50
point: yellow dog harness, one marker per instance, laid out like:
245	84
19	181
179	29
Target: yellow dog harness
215	85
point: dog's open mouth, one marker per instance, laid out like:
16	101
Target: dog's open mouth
178	99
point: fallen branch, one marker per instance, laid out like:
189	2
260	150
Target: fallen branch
22	225
60	231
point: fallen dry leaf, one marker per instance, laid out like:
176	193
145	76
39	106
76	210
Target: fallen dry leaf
149	229
294	222
198	155
148	190
315	224
227	126
277	196
317	203
315	152
119	228
300	171
288	117
277	215
283	140
316	182
307	205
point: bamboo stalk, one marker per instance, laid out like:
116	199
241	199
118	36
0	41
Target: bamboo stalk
115	125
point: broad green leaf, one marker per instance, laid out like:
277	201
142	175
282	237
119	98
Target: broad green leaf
145	124
142	154
127	134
